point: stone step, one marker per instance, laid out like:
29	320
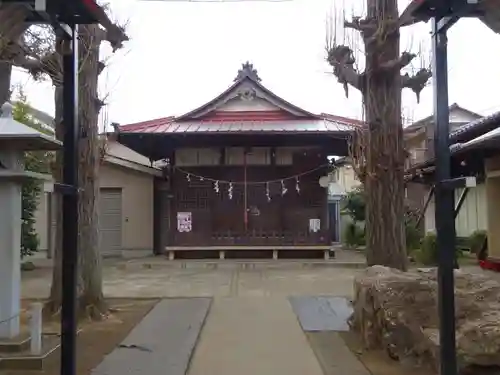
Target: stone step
15	345
25	361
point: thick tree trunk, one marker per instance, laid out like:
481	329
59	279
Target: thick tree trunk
91	298
12	28
384	181
5	78
55	299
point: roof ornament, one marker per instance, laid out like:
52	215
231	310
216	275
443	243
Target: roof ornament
116	127
247	70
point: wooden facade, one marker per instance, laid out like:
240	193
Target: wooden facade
242	171
260	210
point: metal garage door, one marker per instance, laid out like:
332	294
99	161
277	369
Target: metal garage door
110	221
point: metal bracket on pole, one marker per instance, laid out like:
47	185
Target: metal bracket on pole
460	182
64	189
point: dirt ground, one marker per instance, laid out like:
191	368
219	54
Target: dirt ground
327	347
97	339
376	361
379	363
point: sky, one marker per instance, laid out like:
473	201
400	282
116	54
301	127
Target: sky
182	54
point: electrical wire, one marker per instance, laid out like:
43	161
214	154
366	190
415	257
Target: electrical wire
294	177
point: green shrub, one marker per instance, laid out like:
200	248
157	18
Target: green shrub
428	253
476	241
354	236
31	190
413	236
354	205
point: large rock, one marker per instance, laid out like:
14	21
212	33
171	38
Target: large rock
397	311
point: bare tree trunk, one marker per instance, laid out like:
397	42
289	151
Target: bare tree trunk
5	78
12	27
55	299
91	298
384	179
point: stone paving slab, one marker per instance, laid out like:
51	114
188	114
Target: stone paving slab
162	343
321	313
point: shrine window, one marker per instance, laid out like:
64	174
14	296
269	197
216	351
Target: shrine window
197	157
254	156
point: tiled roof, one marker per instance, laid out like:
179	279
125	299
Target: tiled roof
475	128
471	135
241	126
245	121
419	123
141	126
214	117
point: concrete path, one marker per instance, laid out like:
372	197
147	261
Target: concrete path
253	335
162	343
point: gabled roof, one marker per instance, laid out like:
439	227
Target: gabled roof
247	82
476	134
475	128
246	106
422	122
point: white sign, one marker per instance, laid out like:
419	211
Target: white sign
314	225
184	221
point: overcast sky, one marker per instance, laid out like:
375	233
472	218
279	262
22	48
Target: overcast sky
182	54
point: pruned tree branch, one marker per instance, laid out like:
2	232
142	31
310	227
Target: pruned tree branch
99	103
416	82
341	58
407	18
12	24
363	25
399	63
112	32
100	67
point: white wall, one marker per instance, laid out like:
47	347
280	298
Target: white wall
346	177
472	216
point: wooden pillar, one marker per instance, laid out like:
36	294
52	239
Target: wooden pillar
493	215
157	215
171	196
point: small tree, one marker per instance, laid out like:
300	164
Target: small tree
355	208
34	161
355	204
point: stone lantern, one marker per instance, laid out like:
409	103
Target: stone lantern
15	139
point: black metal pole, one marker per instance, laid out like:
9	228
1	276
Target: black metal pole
444	204
70	205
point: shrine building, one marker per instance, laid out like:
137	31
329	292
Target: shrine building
244	175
